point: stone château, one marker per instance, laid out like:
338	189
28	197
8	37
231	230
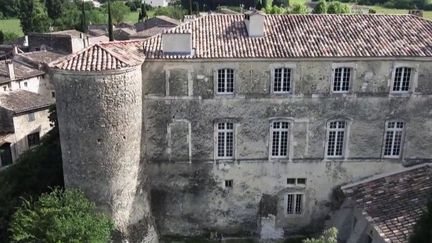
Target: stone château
243	124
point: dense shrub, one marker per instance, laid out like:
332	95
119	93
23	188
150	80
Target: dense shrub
423	228
60	216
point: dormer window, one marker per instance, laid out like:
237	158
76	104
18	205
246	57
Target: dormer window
402	79
342	79
225	81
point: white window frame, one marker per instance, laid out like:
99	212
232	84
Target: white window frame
341	85
294	206
412	81
225	130
292	68
353	67
402	138
345	138
284	70
225	74
280	130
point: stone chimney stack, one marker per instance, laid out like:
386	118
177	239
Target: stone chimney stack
10	69
177	42
254	21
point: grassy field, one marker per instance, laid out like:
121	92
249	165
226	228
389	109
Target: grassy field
379	9
11	25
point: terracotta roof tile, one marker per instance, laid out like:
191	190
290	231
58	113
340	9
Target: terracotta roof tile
291	36
104	56
20	101
395	202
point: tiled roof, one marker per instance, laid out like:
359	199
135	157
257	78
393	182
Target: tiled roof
395	202
21	71
157	21
41	56
4	138
104	56
20	101
312	35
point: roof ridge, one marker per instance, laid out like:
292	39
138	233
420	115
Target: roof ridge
70	56
116	55
380	176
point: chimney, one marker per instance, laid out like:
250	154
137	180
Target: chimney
254	21
416	12
10	69
177	42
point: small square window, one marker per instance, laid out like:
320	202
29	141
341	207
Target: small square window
31	117
229	183
301	181
33	139
53	94
291	181
25	84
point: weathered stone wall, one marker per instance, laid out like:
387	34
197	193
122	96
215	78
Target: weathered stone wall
101	135
190	198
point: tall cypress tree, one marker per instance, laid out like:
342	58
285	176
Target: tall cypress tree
143	13
110	24
83	18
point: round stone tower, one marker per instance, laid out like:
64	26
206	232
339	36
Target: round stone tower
99	109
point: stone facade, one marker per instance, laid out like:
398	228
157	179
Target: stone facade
148	140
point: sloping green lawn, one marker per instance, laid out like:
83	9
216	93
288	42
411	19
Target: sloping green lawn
11	25
379	9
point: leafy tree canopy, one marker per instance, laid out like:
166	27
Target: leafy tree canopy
338	8
60	216
320	8
328	236
33	16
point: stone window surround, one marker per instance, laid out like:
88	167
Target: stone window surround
290	149
413	79
215	138
168	74
400	156
345	154
303	203
292	67
353	67
189	138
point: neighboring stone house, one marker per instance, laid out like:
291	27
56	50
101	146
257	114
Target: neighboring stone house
386	207
15	75
65	41
23	121
243	124
154	26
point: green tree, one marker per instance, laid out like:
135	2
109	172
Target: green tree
143	13
9	8
119	11
423	228
338	8
60	216
320	8
298	8
33	16
110	23
170	11
54	8
84	22
328	236
1	37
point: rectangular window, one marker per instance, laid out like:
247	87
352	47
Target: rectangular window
33	139
295	203
402	78
279	143
225	81
225	140
31	117
229	183
291	181
335	138
341	79
393	139
282	80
